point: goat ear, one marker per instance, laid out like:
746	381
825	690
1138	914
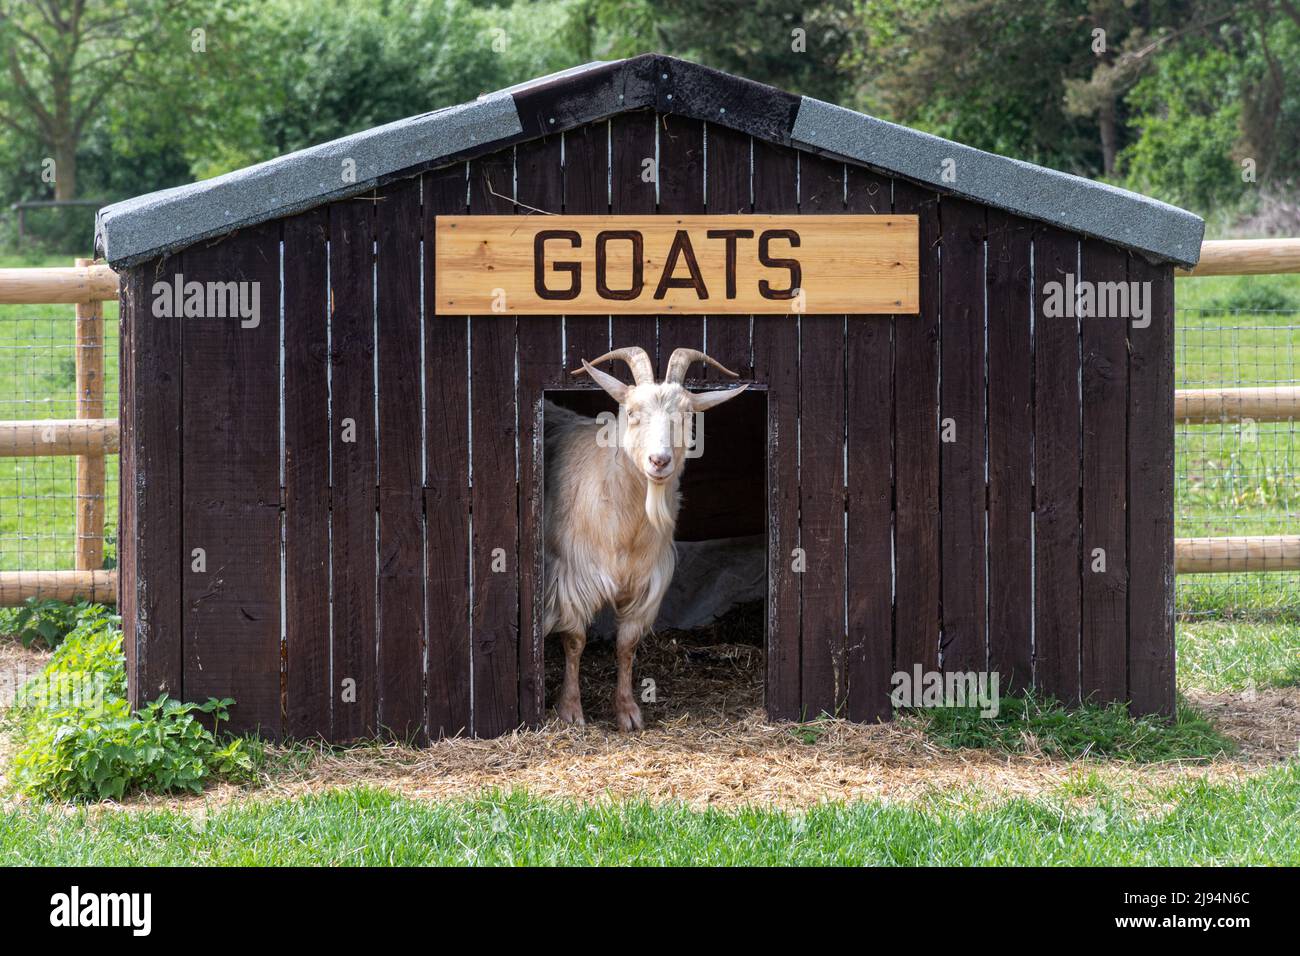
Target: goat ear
703	401
616	389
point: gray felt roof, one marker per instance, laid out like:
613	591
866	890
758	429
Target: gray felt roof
136	229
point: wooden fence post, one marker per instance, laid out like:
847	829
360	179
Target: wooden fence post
90	404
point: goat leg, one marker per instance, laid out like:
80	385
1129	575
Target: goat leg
569	707
626	711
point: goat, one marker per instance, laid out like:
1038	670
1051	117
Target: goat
611	510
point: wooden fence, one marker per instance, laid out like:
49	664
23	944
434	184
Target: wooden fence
90	436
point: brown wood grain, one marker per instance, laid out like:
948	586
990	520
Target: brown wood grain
150	487
446	494
1151	498
399	232
1057	533
961	418
862	262
307	475
230	458
869	427
354	468
541	364
583	188
631	143
1011	447
916	450
1104	612
728	155
776	363
680	168
494	497
823	676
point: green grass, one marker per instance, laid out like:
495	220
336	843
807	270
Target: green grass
37	380
1027	724
1255	822
1219	655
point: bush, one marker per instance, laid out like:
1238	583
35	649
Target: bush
78	740
41	622
1254	297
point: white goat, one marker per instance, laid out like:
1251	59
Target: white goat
611	509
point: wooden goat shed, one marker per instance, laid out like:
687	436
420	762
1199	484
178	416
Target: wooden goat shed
320	492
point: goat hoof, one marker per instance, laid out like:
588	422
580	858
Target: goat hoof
629	717
571	713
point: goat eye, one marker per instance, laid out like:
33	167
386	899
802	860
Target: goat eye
634	419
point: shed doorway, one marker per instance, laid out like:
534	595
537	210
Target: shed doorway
705	659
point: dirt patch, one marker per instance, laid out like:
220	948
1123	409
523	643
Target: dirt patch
707	742
18	665
1265	724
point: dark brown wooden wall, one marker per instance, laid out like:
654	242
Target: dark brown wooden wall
392	583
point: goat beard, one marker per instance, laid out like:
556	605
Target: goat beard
658	505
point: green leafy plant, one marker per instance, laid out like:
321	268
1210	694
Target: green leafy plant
1027	724
78	739
44	622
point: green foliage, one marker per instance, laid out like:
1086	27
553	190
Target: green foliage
1254	297
801	47
41	622
78	740
1026	723
1188	110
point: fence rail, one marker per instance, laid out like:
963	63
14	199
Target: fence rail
1246	257
90	436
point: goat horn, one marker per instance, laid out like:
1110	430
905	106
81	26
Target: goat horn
643	371
682	359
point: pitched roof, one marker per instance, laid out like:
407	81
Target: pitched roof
136	229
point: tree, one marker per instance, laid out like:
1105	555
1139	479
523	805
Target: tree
62	58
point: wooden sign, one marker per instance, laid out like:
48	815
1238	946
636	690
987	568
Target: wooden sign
597	265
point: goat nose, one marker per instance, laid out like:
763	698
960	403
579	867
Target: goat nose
661	461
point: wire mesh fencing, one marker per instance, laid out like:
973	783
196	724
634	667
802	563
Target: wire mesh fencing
1237	478
39	496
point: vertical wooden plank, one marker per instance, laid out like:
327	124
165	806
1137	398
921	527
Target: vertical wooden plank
681	191
631	143
1104	612
821	469
727	155
916	450
129	282
306	475
1057	541
1151	496
399	231
354	466
230	454
150	561
90	404
585	189
776	363
494	499
540	182
962	444
1011	449
869	429
446	497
